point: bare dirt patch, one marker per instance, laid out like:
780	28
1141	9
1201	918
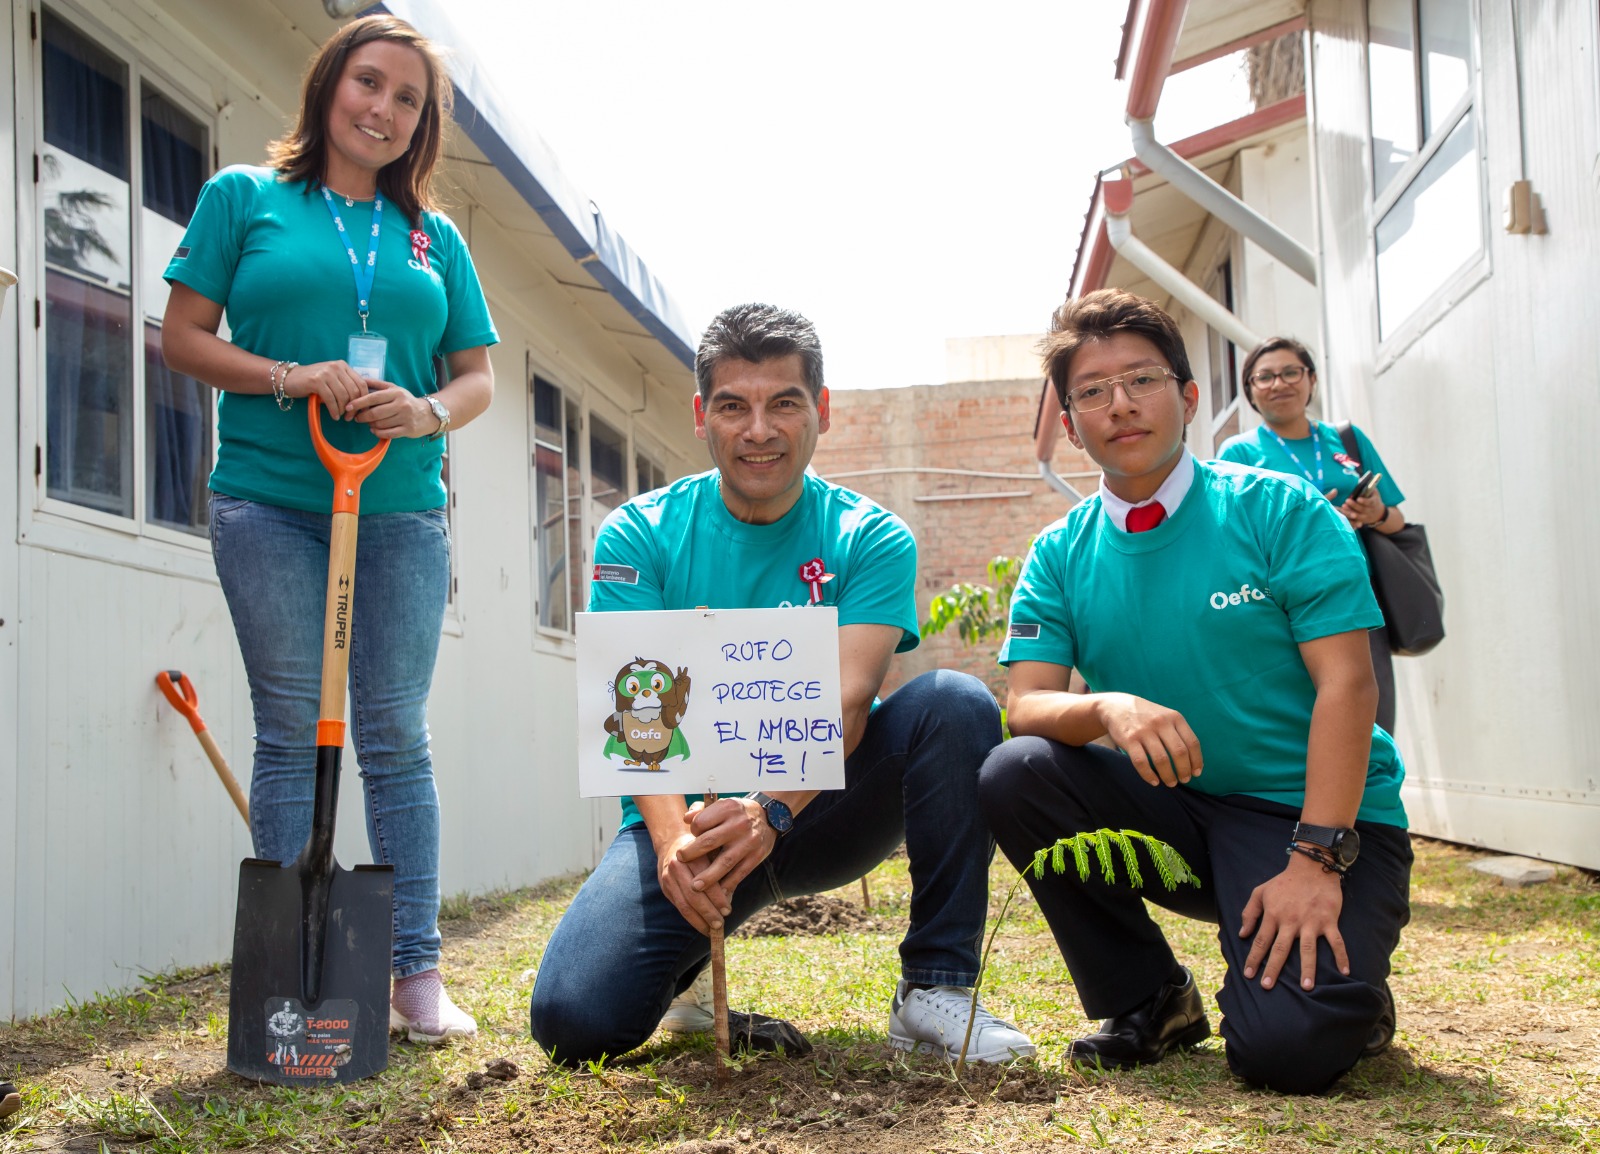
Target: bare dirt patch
812	915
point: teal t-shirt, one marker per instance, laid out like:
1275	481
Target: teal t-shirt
679	548
1340	472
1204	614
268	252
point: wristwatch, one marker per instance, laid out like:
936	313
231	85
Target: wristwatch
1343	844
779	816
442	413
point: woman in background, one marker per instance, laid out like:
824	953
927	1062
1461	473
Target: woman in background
1280	379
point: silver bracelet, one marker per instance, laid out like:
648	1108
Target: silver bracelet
278	380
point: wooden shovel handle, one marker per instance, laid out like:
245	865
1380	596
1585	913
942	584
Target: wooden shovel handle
348	471
179	690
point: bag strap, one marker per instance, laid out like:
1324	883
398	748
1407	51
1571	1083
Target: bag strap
1347	437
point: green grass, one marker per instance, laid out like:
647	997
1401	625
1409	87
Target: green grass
1498	1050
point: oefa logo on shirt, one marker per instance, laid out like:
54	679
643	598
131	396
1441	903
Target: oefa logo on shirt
1246	594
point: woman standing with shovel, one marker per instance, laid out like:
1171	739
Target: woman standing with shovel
341	286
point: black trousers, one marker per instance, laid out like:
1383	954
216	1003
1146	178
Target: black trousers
1033	791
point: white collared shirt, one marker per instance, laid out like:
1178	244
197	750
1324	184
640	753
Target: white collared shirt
1171	493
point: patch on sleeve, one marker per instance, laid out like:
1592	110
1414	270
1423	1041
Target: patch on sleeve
183	251
1022	631
622	574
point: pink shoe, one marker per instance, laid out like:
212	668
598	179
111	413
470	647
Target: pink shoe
420	1008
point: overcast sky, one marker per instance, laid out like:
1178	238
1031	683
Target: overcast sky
900	173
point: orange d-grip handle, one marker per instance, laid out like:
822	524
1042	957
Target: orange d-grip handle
179	690
348	469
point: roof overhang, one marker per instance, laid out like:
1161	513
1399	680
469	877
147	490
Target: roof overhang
1165	219
1194	32
1159	209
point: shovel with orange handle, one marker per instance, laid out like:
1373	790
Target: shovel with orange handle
178	689
308	1002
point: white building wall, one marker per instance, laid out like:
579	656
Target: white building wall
10	606
118	848
1488	418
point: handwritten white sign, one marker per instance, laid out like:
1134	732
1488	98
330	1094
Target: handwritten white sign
682	701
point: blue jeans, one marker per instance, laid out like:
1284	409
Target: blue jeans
273	564
623	951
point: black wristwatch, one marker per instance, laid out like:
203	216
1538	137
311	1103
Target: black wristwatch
1343	844
779	816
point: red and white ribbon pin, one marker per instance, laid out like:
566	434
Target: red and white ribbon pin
815	574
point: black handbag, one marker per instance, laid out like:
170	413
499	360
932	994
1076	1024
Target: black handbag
1403	579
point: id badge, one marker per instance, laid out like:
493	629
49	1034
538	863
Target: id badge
368	353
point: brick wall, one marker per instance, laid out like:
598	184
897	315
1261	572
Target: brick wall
972	427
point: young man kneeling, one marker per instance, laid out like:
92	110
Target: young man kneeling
1219	614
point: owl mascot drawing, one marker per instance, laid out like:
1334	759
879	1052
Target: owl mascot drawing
650	702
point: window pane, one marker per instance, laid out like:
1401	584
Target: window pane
1432	230
88	278
574	506
178	442
608	470
550	506
177	408
1446	27
649	475
1391	73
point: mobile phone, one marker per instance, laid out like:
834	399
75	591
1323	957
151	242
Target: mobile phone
1366	484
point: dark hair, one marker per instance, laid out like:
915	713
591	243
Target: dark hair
302	153
1102	314
757	333
1272	345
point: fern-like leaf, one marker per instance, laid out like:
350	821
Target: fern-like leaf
1080	857
1130	859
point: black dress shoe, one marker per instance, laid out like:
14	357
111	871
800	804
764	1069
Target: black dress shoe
10	1100
1383	1029
1175	1016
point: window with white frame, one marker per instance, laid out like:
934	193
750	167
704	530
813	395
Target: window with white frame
558	505
123	435
1428	217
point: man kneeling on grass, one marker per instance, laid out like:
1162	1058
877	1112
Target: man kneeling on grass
1219	614
756	532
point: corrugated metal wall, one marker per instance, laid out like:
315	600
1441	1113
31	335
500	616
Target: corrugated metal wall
1489	421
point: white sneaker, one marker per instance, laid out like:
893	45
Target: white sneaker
420	1008
694	1010
935	1022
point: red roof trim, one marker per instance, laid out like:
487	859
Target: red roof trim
1261	120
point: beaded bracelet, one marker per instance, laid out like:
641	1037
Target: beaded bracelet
279	380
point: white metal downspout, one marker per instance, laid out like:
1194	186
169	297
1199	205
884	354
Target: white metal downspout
1057	483
1219	202
1184	290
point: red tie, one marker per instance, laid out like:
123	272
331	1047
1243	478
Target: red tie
1143	517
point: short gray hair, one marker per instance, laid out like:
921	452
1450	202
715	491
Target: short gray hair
757	333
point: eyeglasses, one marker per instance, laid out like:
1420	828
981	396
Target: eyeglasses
1137	383
1263	378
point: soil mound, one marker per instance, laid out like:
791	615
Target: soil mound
811	915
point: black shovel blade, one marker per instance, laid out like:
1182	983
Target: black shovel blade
276	1031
